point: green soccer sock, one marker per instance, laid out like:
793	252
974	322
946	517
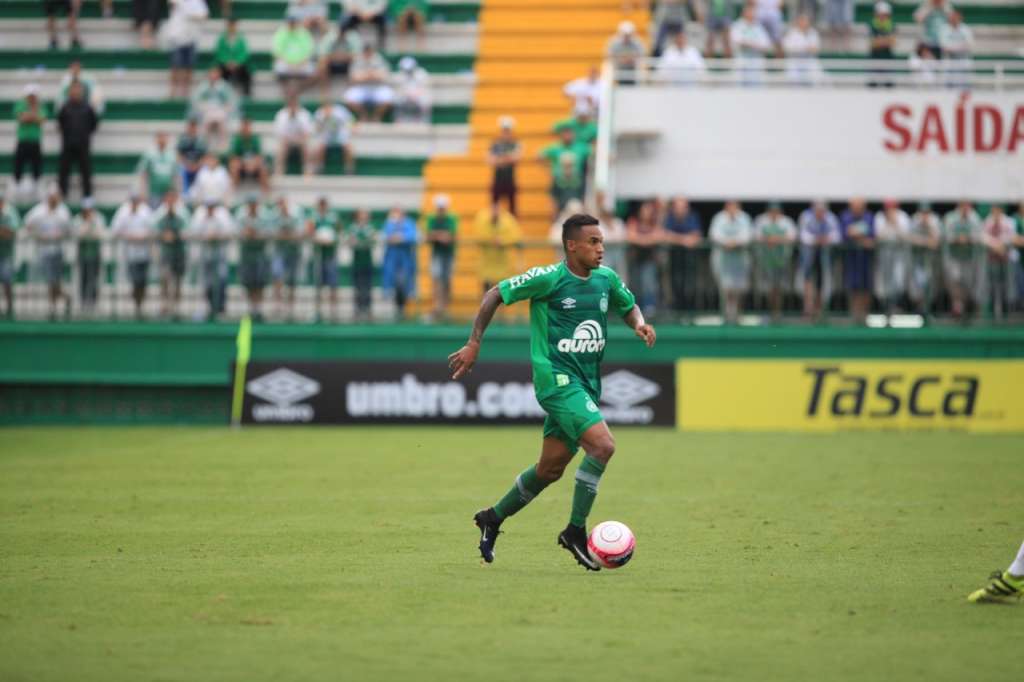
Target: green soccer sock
587	478
528	486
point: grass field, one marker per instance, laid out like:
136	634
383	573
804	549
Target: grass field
279	554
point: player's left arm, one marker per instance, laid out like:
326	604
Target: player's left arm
635	319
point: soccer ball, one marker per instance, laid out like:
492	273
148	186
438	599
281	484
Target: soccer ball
611	544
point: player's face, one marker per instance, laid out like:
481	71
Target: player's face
588	249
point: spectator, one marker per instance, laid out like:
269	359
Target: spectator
255	230
923	65
158	170
191	150
361	237
882	35
170	224
892	266
585	91
287	221
91	91
645	235
398	274
750	44
308	12
768	13
497	233
369	94
956	41
730	236
49	224
215	105
819	233
718	26
147	15
858	229
293	126
503	156
132	225
583	126
801	46
90	229
214	229
932	15
568	158
28	151
625	51
182	32
409	16
70	9
412	92
325	230
333	130
774	234
963	257
681	63
683	232
839	17
998	236
77	122
10	223
245	157
358	12
212	182
292	48
440	228
232	55
671	17
614	235
335	53
925	237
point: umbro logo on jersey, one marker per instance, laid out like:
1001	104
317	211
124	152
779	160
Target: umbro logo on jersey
586	338
568	303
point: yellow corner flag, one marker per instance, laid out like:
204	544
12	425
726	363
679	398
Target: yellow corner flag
244	348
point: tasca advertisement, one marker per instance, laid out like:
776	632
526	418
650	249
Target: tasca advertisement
418	392
830	395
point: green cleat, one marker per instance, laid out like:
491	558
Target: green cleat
1003	588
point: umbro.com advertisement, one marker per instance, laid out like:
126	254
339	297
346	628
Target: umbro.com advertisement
419	392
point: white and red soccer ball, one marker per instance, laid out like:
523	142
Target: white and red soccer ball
611	544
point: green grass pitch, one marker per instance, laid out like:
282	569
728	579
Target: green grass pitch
349	554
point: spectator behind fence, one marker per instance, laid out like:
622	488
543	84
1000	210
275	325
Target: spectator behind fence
191	149
839	17
70	9
288	220
412	92
410	16
625	51
170	224
333	125
245	157
369	94
293	51
670	18
858	228
359	12
684	234
255	231
750	44
158	171
730	235
91	91
215	105
441	229
819	233
568	159
49	224
325	229
30	114
293	126
182	31
232	56
892	255
10	223
90	230
503	156
361	237
801	45
774	236
768	13
614	229
398	273
998	235
963	258
680	62
77	122
932	15
925	237
924	66
957	42
718	24
881	38
132	226
214	229
212	182
146	16
645	235
585	91
498	235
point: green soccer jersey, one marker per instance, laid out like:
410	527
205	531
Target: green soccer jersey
161	169
288	232
568	321
330	220
176	223
253	248
362	237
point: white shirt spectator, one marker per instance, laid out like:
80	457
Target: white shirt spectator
683	65
412	92
750	42
957	41
585	91
801	48
185	22
132	223
50	225
211	184
369	77
293	126
334	125
212	226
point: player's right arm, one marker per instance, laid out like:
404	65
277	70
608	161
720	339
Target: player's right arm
461	361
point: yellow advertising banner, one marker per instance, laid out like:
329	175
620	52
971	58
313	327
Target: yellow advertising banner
831	395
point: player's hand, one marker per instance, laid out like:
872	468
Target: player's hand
646	332
461	361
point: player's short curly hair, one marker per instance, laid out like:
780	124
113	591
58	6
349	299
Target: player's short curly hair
571	227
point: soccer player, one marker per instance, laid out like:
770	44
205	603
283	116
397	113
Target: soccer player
569	305
1004	585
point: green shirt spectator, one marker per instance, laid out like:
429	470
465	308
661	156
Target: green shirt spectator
287	223
933	15
293	48
553	153
362	236
232	49
170	223
326	221
256	225
30	131
89	229
245	145
160	168
444	221
584	129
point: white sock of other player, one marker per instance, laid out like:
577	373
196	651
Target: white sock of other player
1016	569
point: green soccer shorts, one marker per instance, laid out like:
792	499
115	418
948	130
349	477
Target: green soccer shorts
571	411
